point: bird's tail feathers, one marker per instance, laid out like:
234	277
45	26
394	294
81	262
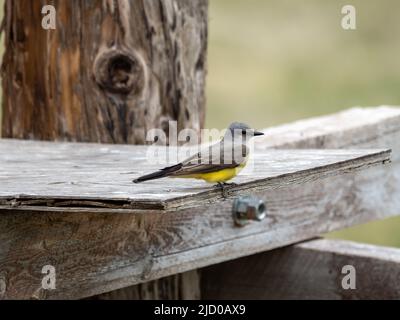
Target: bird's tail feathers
159	174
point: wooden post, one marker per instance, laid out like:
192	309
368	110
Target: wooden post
110	71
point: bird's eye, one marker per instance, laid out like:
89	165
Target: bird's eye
244	131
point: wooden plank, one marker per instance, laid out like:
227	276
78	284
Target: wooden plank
98	250
310	270
182	286
92	175
361	128
349	129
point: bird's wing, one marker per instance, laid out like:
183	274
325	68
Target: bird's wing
214	158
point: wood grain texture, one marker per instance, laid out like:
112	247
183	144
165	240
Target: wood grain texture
91	175
183	286
97	250
310	270
110	71
352	128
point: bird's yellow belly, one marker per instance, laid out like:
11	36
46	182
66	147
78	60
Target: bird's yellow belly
217	176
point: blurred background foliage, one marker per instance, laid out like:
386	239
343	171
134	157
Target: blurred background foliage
275	61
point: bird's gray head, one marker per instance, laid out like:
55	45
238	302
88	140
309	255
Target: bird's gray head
239	130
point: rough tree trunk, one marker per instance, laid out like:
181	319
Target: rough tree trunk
111	70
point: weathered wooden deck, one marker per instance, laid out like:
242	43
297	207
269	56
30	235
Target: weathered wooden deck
74	206
91	175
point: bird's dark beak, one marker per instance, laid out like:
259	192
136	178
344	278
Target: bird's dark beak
258	133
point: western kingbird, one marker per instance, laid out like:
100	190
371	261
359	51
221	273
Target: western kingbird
217	163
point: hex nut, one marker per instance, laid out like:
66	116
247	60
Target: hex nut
248	208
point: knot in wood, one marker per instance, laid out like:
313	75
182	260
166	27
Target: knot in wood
120	72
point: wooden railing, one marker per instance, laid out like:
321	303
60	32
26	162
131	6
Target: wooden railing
73	206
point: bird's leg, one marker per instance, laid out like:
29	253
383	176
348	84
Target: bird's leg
232	184
224	186
218	185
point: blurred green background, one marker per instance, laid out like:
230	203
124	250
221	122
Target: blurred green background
275	61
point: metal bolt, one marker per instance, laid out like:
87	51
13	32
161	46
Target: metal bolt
247	208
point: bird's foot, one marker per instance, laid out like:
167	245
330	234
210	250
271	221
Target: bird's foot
224	186
231	184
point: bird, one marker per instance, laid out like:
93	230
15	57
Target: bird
217	163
